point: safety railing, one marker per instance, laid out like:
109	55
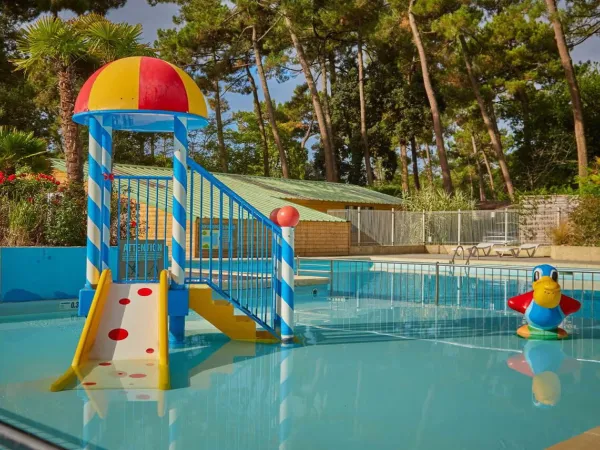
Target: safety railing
456	285
141	226
232	247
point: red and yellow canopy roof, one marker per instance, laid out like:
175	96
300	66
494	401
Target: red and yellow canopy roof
141	94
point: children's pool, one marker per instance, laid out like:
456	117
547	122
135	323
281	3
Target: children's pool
376	369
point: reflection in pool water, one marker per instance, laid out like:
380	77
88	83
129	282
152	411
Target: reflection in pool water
371	372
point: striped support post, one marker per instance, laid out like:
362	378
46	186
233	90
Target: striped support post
173	429
179	201
287	285
94	219
106	195
86	432
278	287
285	410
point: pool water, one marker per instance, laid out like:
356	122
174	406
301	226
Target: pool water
377	373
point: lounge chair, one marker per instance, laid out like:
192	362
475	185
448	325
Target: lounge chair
515	251
485	247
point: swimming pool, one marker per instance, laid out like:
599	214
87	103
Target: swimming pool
377	368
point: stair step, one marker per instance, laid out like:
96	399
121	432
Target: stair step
222	303
243	319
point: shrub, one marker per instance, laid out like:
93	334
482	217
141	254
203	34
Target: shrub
67	217
562	234
431	198
585	221
25	224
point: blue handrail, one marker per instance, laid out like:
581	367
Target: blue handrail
242	267
222	186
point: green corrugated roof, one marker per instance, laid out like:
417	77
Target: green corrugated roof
264	194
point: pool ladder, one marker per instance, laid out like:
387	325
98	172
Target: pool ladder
461	250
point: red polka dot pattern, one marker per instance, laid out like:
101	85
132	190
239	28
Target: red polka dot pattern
118	334
149	350
150	364
89	383
144	292
137	375
120	374
124	301
142	397
104	364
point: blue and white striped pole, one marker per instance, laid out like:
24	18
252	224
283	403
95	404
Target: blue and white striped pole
173	428
278	287
179	201
94	222
88	416
106	196
285	391
287	285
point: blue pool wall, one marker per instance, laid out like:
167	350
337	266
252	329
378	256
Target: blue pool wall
43	273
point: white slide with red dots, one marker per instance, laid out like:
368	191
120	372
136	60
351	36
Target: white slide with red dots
124	342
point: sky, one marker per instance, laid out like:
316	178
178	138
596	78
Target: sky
153	18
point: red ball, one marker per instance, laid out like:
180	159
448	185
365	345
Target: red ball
288	216
273	216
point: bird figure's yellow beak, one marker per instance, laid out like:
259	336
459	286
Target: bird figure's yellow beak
546	292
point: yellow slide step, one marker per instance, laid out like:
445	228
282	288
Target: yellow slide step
221	314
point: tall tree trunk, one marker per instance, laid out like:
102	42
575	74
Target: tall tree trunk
435	111
489	171
364	139
415	163
270	110
482	197
327	110
429	165
491	126
310	81
259	119
576	106
72	145
222	149
307	135
404	166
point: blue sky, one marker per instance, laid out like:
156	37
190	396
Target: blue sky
153	18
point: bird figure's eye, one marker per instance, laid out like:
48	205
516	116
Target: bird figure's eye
537	274
554	275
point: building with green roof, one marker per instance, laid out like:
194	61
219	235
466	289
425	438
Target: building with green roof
318	233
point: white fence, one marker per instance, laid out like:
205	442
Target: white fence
506	226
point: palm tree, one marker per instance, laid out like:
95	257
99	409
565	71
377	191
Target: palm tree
54	45
21	148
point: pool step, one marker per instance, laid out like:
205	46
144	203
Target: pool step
222	315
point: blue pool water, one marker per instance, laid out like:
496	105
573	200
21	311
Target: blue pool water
377	369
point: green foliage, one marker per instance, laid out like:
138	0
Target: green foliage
435	199
18	149
36	210
584	224
67	217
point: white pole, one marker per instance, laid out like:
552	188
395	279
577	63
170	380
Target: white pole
393	224
505	225
423	226
459	226
359	225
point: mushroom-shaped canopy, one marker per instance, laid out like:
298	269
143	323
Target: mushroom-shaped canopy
141	94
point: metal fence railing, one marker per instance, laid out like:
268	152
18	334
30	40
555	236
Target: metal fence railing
507	226
485	287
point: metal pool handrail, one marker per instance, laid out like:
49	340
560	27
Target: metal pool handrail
16	438
433	263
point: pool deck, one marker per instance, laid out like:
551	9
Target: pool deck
483	260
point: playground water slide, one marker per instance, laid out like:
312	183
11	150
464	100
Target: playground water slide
124	342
